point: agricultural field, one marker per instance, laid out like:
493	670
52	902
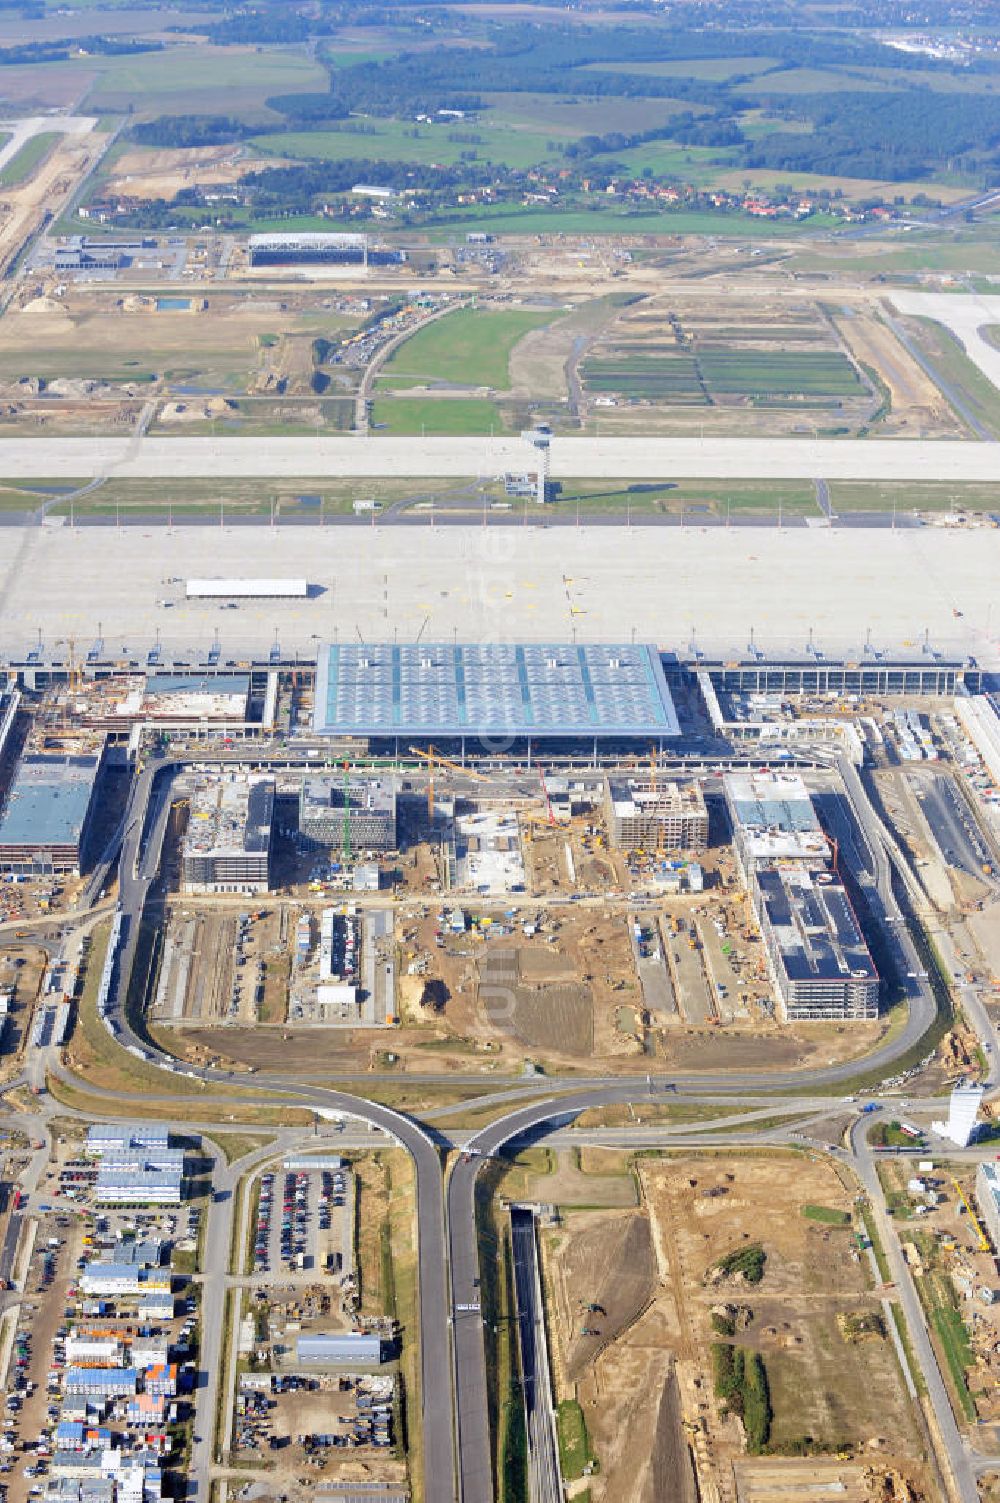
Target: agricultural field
402	141
711	1320
193	79
178	79
729	357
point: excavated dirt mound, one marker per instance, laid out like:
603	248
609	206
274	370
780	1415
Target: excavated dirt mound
671	1471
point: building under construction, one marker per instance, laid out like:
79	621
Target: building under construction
817	954
48	814
773	819
656	815
227	844
359	815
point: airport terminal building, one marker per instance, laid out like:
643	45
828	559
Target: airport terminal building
494	695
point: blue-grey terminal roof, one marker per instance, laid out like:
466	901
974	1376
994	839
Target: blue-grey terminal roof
48	801
492	689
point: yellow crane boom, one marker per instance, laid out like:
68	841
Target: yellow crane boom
984	1245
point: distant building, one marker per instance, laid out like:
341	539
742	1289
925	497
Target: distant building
100	1382
117	1279
308	249
117	1138
124	1185
227	844
817	954
656	815
370	809
48	814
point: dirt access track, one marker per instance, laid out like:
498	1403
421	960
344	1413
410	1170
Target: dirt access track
635	1350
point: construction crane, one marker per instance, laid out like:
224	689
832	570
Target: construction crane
345	837
435	759
430	790
984	1245
551	819
75	672
652	781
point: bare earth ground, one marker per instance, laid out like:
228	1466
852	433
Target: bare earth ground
843	1393
162	174
918	408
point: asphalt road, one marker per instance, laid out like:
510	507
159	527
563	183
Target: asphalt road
951	824
545	1483
951	1440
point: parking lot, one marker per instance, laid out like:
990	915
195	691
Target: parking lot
688	973
305	1220
952	825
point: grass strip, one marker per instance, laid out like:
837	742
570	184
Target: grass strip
575	1454
827	1214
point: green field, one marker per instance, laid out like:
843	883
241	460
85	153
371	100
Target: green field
827	1215
711	69
569	117
699	165
467	348
600	216
203	80
405	417
849	495
402	141
23	163
960	253
813	81
690	498
574	1443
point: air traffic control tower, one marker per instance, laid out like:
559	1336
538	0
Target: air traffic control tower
540	439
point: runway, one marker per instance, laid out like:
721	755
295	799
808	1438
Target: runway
712	586
966	317
638	458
